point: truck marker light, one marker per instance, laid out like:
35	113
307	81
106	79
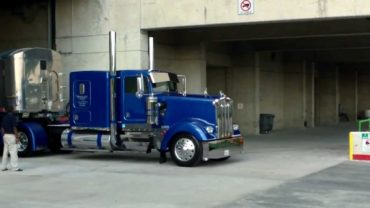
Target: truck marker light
209	129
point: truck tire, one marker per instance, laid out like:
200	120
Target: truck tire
24	147
186	151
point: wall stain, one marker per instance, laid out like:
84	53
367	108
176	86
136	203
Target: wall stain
205	14
322	8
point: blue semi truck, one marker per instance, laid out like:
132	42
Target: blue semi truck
127	110
145	110
191	127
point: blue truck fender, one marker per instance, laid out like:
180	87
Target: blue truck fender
193	127
36	134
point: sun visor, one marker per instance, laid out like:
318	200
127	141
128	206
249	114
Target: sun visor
158	77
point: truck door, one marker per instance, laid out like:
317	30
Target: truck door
134	108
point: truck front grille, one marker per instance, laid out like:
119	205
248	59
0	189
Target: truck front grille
224	110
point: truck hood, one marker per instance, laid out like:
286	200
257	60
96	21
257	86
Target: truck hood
177	108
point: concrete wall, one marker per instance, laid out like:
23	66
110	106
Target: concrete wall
24	26
82	33
272	87
169	13
363	91
286	91
218	65
265	82
243	88
188	60
217	80
237	75
326	94
294	95
347	92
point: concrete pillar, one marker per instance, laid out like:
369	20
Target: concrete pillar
308	94
304	92
257	96
311	102
337	95
356	95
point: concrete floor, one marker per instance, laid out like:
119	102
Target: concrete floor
296	168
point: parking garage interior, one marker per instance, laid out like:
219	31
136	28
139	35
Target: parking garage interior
305	73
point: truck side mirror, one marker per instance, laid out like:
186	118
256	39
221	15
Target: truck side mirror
182	79
140	86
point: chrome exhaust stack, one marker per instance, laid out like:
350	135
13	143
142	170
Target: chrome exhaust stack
151	53
112	72
151	100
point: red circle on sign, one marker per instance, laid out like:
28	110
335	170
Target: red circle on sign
246	5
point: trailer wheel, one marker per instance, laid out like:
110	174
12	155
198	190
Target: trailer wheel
24	147
186	150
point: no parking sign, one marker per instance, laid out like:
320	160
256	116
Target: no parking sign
245	7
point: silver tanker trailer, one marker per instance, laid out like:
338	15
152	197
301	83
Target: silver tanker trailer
32	81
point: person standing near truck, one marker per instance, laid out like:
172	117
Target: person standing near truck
10	140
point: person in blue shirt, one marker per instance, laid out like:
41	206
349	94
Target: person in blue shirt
10	140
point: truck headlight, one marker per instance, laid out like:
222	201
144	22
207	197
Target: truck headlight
209	129
235	127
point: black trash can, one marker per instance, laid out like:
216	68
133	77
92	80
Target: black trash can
266	123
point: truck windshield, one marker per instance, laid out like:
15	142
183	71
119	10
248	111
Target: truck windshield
164	82
168	86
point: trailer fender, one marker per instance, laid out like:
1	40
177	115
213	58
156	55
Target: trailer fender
194	128
36	133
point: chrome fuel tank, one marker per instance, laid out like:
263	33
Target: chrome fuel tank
32	81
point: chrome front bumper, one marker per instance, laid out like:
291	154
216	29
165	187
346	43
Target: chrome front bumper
223	148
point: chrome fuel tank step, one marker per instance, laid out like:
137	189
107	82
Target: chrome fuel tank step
86	140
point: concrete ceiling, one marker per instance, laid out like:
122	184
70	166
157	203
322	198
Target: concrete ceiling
335	40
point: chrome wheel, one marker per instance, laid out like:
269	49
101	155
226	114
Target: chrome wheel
23	142
184	149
